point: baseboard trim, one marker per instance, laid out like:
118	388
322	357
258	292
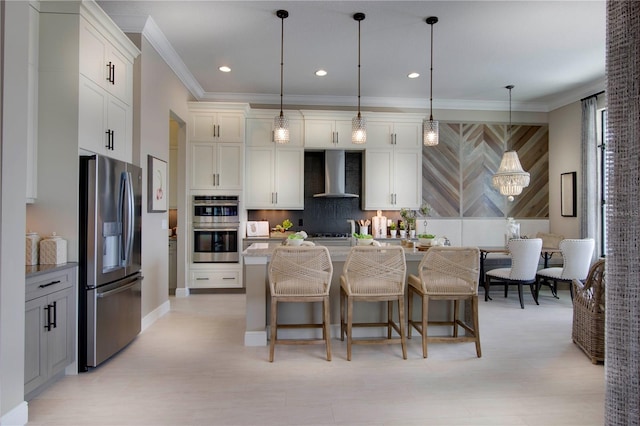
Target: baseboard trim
154	315
18	416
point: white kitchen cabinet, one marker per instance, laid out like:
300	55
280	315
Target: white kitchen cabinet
101	62
220	277
49	327
217	127
393	179
216	165
105	122
328	134
275	178
385	134
260	132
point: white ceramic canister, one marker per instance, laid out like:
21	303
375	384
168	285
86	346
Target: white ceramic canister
53	250
32	248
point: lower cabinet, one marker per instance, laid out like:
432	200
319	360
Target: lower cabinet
49	327
223	277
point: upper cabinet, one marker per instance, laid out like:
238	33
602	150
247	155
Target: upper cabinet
328	134
398	134
102	63
392	179
216	145
275	172
217	126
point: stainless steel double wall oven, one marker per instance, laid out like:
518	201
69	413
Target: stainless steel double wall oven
215	229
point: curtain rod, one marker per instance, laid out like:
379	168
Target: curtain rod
591	96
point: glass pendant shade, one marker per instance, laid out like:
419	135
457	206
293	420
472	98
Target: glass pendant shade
430	134
510	178
281	129
359	130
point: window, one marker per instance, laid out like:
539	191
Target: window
602	180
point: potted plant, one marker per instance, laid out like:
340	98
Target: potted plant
411	222
392	230
403	230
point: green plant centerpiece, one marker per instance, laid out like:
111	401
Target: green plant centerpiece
392	226
286	224
363	239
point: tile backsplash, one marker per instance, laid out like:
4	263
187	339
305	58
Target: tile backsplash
324	214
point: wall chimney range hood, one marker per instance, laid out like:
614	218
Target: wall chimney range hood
334	175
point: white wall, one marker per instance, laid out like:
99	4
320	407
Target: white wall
160	95
564	156
12	211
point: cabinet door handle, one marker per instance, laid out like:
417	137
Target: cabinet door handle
48	311
55	314
109	72
108	145
395	139
218	130
113	74
202	279
51	283
112	139
228	278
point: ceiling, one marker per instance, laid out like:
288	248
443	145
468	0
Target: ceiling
552	51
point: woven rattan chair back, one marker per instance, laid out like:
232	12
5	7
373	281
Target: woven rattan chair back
525	256
589	313
375	271
576	255
450	270
300	271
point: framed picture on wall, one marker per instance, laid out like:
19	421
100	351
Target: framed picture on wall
157	185
568	194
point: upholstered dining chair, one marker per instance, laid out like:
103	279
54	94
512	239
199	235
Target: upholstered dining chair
447	273
576	255
300	274
525	255
373	274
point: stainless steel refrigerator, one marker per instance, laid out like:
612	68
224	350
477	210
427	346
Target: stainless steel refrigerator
110	280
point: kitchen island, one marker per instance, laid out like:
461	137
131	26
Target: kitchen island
256	258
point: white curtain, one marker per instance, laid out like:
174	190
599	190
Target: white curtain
589	180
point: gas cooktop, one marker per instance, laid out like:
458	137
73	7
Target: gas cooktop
329	235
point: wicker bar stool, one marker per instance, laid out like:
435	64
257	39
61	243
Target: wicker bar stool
373	274
300	274
589	313
447	273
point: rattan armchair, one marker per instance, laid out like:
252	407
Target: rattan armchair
373	274
589	313
300	274
447	273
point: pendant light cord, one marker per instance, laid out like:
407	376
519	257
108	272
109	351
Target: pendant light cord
359	21
511	86
431	79
281	60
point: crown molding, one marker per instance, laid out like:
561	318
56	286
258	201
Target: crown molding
150	30
577	94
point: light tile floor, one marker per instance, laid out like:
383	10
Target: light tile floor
191	368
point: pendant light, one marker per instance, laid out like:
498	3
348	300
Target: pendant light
359	123
281	123
510	178
429	127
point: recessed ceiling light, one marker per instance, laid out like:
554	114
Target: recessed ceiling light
413	75
321	73
225	69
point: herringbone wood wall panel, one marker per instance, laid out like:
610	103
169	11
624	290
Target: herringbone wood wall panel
456	174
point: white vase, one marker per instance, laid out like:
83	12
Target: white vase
412	233
403	233
393	232
364	230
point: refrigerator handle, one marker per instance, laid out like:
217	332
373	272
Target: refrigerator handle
130	217
121	218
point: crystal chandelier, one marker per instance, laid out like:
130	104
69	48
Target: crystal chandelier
281	123
359	123
510	178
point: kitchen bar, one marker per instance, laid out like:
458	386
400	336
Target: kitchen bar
256	258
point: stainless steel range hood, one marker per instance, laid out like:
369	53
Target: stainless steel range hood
334	175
